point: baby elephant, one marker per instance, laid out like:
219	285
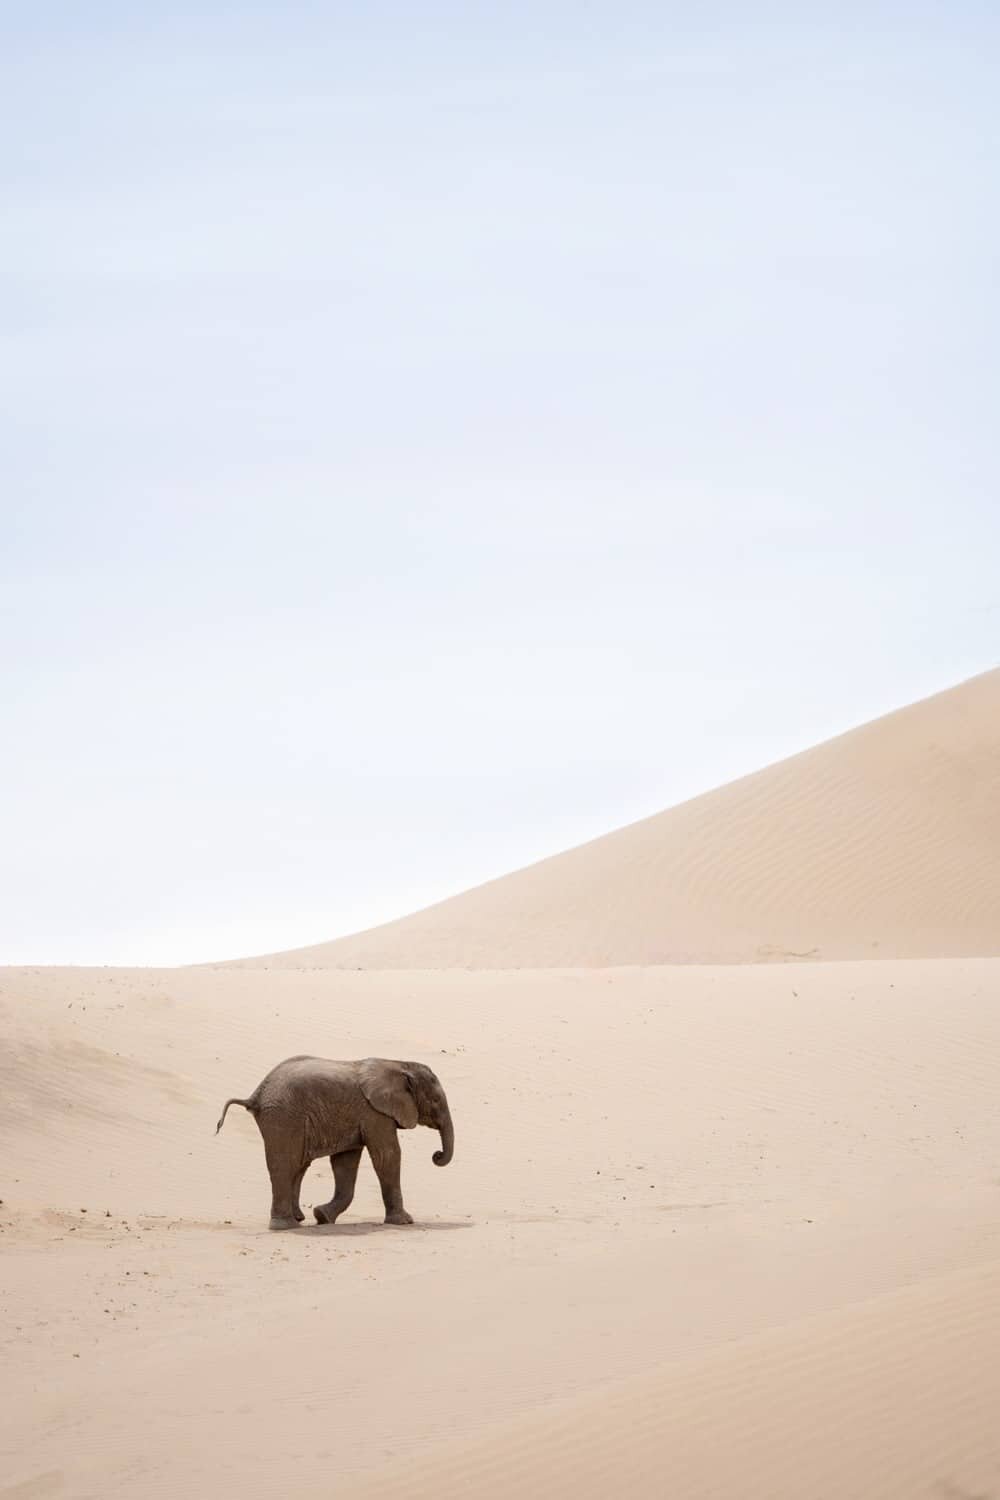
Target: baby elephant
308	1107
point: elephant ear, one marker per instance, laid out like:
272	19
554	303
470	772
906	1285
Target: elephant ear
386	1086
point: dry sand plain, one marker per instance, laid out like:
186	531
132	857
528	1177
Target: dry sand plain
712	1229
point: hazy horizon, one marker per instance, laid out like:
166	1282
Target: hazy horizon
428	449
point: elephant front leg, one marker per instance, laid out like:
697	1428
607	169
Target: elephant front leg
345	1173
387	1160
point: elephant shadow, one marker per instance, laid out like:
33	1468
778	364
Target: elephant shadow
376	1226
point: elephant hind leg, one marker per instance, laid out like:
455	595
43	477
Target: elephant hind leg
345	1173
284	1165
296	1189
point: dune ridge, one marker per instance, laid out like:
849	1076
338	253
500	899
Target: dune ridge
881	843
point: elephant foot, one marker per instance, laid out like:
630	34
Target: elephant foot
323	1214
283	1224
299	1216
399	1216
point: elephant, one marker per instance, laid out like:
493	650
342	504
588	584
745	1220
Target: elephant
308	1107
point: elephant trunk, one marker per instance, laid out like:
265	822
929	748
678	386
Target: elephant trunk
447	1129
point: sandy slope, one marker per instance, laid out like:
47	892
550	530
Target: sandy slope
731	1231
893	1399
710	1231
884	842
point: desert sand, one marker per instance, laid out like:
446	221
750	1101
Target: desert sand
881	843
713	1229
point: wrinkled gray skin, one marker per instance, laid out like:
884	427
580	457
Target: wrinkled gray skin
309	1107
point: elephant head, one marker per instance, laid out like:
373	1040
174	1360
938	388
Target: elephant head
410	1094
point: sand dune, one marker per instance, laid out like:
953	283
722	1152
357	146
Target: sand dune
710	1231
894	1398
882	843
685	1203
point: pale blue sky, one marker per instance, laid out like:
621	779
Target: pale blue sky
435	434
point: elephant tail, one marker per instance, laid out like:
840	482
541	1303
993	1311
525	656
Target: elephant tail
250	1104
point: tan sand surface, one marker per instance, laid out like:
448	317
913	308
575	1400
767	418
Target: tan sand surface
891	1399
708	1232
882	843
712	1229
